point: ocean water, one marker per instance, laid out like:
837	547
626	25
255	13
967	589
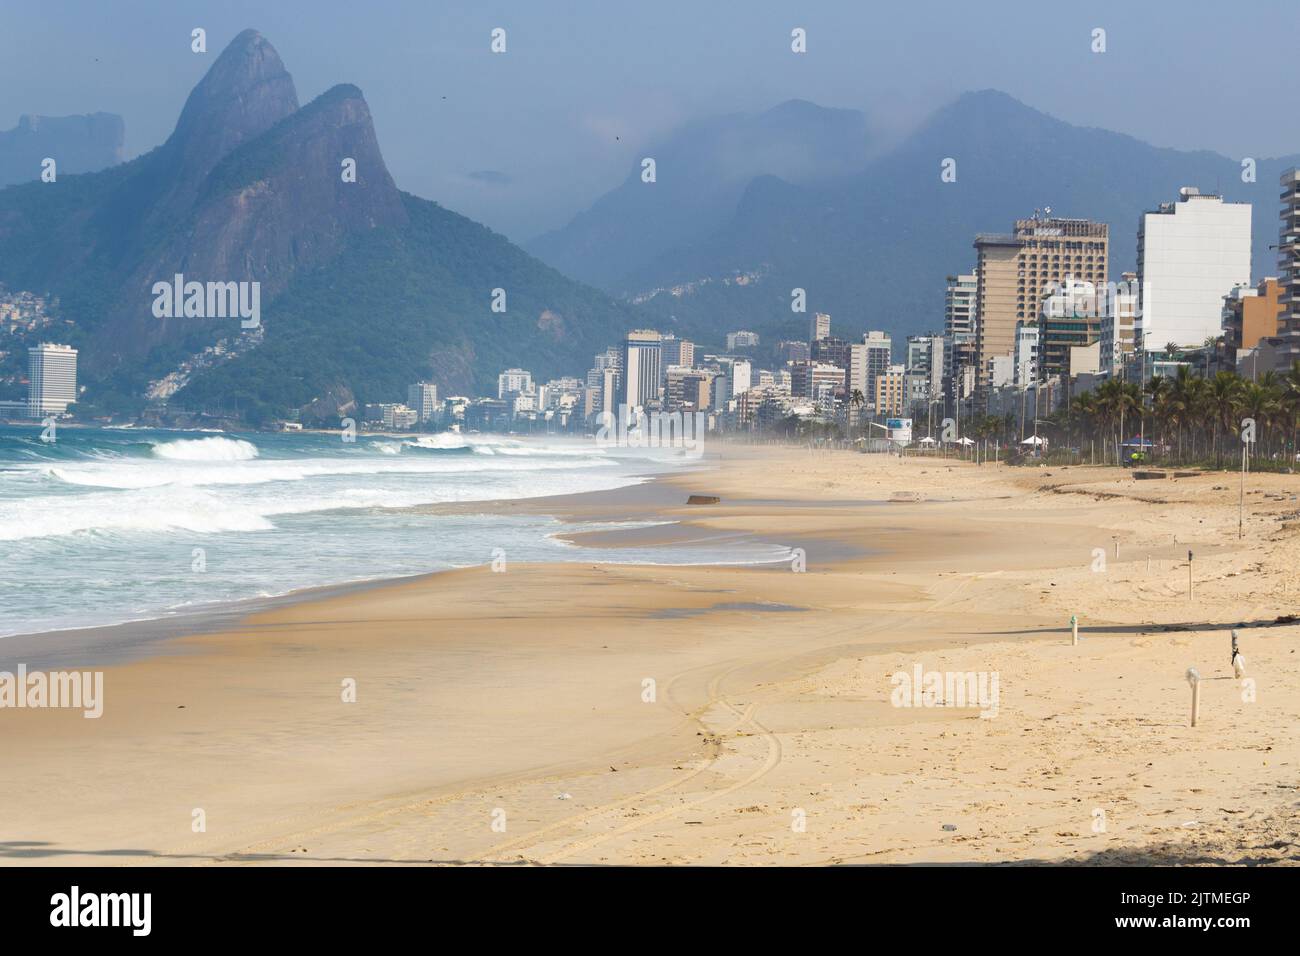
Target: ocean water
110	525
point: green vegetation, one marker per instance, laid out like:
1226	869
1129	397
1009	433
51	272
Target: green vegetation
402	305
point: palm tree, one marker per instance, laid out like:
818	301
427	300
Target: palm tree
1291	401
856	401
1181	402
1159	388
1224	400
1260	402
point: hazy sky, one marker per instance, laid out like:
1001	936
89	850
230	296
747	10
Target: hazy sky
524	140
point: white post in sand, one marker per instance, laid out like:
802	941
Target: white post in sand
1194	679
1074	630
1148	564
1241	498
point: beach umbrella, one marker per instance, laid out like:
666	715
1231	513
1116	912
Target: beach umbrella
1034	440
964	441
927	441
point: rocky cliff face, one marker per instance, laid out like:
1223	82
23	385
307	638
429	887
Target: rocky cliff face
79	144
363	289
269	208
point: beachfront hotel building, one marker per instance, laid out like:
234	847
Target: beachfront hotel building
1191	253
1016	271
52	379
642	361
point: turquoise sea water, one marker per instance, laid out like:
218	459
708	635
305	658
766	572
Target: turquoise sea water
107	525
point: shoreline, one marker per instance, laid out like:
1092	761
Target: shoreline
526	693
123	641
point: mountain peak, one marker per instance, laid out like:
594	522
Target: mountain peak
245	92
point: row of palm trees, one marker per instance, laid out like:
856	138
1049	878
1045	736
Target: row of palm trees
1187	417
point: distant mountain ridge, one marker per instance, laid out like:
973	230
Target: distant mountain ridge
702	171
77	144
873	248
249	188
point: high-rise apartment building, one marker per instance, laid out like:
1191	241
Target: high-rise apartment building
857	378
1017	271
687	388
1251	314
789	351
831	351
1286	347
1071	318
880	355
422	397
1191	253
959	325
1119	325
924	364
52	379
514	381
807	379
642	361
891	392
819	327
1025	366
677	351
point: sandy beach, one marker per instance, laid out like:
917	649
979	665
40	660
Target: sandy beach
651	714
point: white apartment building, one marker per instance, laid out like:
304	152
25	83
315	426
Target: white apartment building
741	339
52	379
1119	324
1025	366
642	360
1191	253
819	327
514	381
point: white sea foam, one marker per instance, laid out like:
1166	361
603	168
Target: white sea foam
206	449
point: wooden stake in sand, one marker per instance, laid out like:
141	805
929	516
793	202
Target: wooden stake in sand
1190	592
1194	679
1074	630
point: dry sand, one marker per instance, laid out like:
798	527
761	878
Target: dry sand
508	717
